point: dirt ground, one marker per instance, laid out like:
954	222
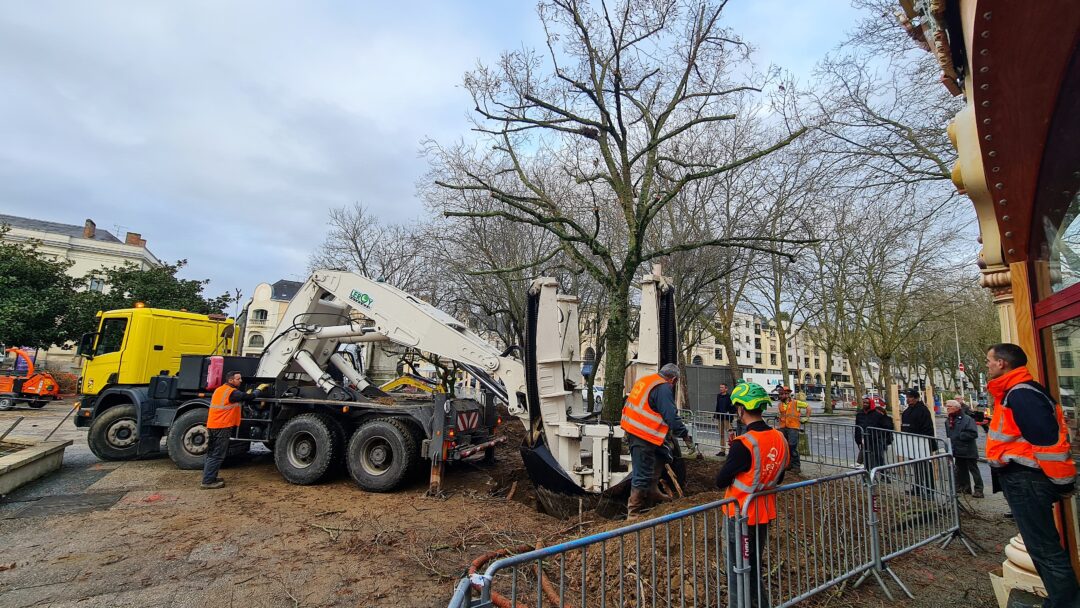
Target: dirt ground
143	534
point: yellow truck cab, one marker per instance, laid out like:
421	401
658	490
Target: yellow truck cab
131	346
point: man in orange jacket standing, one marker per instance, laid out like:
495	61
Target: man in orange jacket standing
756	463
221	425
647	417
1029	454
792	415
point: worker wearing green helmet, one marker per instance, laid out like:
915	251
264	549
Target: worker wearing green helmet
755	463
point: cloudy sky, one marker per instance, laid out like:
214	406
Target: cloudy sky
224	131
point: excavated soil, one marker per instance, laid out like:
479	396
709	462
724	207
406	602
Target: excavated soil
143	534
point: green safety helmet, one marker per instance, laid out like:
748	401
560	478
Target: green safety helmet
750	396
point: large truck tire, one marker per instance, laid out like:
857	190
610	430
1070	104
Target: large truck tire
188	439
40	403
6	403
114	435
381	454
304	449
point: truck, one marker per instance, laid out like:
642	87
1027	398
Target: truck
129	348
316	421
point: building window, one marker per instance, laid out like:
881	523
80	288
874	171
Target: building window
757	357
697	360
258	315
746	339
718	353
790	359
1066	360
757	343
757	328
806	361
255	341
97	285
817	362
748	324
772	358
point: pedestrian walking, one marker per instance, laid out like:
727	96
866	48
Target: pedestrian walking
962	433
918	420
756	462
793	413
648	417
870	425
221	423
724	413
1029	454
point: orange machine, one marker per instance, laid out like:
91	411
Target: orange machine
33	389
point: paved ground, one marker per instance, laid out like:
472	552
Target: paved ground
142	534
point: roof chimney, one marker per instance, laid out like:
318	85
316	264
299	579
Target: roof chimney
89	229
134	238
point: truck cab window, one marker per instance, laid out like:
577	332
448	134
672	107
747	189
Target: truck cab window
112	336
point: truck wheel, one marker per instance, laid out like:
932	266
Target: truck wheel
114	435
6	403
188	440
38	404
304	449
381	454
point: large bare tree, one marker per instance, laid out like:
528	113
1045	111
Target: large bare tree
584	140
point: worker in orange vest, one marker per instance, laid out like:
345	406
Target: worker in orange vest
756	463
792	414
1028	450
221	423
648	416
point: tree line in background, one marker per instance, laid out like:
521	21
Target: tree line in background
42	305
643	133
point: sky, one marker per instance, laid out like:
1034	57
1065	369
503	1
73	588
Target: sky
223	132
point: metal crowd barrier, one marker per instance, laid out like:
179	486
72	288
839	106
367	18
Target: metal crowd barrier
821	537
827	530
677	559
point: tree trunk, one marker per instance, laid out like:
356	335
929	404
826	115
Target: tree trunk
733	361
618	340
855	364
828	380
894	405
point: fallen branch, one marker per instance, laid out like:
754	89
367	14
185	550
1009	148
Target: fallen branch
510	494
333	533
674	480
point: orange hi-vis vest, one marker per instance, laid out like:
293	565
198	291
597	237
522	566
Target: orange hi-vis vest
1005	443
768	459
789	413
223	415
638	418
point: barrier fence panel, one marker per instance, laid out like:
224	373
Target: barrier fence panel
678	559
831	443
826	531
821	536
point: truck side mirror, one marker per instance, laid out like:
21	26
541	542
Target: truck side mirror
86	345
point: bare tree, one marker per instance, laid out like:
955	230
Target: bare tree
584	142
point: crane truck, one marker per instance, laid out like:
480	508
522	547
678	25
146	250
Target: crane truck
314	419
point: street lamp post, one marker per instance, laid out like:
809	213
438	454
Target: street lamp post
959	363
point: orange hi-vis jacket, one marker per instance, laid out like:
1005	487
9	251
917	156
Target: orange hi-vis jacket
638	418
1005	443
223	415
768	459
789	413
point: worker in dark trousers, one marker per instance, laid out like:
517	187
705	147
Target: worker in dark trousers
648	416
1030	460
221	425
724	410
756	462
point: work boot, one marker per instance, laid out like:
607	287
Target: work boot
213	485
657	496
636	505
978	494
